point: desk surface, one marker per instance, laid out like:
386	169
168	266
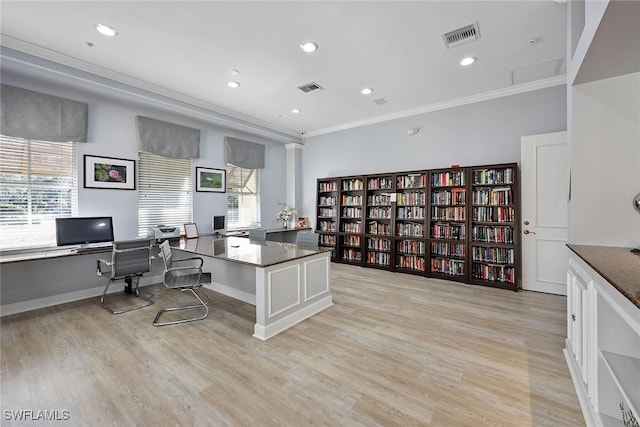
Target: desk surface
245	251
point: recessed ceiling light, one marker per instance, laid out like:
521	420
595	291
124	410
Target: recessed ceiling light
296	111
309	47
468	61
234	72
233	84
367	91
106	30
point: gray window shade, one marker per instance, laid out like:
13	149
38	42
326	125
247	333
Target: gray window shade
247	155
165	194
36	116
167	139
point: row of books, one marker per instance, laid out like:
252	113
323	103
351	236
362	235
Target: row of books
493	273
327	212
327	239
410	262
379	258
351	200
412	212
411	198
485	233
328	226
352	227
351	212
493	214
454	197
379	200
494	255
448	249
451	213
351	255
414	247
448	231
448	179
376	244
452	267
411	181
493	176
379	184
493	196
379	212
351	240
327	201
352	184
410	230
327	186
375	227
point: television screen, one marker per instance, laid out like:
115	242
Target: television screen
84	230
218	224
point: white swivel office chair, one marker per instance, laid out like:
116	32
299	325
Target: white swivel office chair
130	259
258	234
307	238
185	277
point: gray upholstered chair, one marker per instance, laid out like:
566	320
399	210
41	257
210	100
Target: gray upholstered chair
258	234
130	259
183	275
307	238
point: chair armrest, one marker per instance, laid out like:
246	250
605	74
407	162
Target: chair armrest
201	261
99	270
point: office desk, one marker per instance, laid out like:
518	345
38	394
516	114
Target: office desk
287	283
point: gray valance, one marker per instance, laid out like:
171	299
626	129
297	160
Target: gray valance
41	117
167	139
245	154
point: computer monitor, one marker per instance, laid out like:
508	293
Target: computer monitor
218	224
84	230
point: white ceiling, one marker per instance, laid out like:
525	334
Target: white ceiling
186	49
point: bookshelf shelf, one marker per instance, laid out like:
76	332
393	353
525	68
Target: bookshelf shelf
457	224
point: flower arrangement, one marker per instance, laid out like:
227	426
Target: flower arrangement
286	214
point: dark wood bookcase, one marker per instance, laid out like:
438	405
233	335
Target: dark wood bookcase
459	223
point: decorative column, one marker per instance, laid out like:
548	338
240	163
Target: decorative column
294	176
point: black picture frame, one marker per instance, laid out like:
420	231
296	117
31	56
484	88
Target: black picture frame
210	180
109	173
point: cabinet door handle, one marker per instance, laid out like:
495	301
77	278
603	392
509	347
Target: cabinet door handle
573	317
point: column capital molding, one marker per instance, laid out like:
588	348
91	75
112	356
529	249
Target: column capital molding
293	145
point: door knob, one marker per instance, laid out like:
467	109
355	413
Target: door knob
529	232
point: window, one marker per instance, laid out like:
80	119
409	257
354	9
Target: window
165	195
38	184
243	199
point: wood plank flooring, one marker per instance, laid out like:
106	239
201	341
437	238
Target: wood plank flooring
393	350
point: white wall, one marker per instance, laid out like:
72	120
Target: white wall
481	133
112	133
605	170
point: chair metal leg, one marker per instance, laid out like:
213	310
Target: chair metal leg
135	292
202	304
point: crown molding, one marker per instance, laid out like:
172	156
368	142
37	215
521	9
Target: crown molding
485	96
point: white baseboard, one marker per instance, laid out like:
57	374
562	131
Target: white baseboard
35	304
268	331
232	292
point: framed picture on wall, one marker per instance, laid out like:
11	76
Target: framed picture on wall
211	180
109	173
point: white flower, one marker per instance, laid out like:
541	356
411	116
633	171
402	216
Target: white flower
286	213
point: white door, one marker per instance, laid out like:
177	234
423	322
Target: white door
545	212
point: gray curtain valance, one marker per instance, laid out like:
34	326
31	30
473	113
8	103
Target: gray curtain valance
41	117
167	139
245	154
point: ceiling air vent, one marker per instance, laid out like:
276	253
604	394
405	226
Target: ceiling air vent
461	35
309	87
380	101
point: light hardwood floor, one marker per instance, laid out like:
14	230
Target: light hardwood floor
393	350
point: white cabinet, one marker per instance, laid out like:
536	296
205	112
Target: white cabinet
602	347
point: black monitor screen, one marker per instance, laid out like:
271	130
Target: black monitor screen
84	230
218	223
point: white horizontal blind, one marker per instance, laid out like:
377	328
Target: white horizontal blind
243	197
165	194
38	184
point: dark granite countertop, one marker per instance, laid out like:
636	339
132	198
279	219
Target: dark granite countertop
618	266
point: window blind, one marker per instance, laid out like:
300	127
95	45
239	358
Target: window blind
243	197
165	194
39	183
